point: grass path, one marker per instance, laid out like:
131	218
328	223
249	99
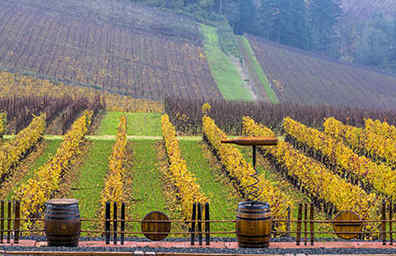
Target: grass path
146	182
224	72
139	124
17	173
50	150
88	186
223	200
257	69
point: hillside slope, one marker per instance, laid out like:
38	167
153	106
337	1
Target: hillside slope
125	48
299	77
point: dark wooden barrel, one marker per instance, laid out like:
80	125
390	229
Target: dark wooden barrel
162	227
62	222
254	224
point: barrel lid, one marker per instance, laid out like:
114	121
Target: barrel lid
254	204
63	201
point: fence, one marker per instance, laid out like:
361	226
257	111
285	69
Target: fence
304	229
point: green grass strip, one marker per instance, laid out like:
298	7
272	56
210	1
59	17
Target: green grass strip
50	150
259	71
146	182
223	70
139	124
223	200
92	175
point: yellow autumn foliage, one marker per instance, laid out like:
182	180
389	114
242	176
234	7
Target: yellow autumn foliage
240	171
13	150
316	178
20	85
115	187
187	189
380	176
376	139
47	179
3	124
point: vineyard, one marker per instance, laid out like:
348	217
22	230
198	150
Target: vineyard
332	165
104	101
123	58
300	77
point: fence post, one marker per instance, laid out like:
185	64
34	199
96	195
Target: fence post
107	223
207	224
9	221
115	222
17	220
299	220
305	224
390	221
193	223
2	221
383	223
288	221
311	217
200	223
122	223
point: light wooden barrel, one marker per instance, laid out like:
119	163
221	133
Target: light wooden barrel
254	224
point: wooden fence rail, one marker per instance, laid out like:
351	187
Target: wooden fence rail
305	228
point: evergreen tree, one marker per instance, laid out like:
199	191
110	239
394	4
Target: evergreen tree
247	16
298	15
324	15
284	21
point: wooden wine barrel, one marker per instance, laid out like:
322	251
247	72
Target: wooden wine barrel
251	141
153	230
62	222
254	224
347	225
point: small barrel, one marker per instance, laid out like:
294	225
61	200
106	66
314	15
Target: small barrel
254	224
62	222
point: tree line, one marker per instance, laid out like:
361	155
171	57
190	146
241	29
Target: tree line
315	25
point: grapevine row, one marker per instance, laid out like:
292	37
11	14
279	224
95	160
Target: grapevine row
3	124
20	85
14	150
188	190
381	128
370	141
341	158
239	170
46	181
115	187
21	109
315	177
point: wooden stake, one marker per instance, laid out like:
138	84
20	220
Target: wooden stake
207	224
312	227
107	223
193	223
299	220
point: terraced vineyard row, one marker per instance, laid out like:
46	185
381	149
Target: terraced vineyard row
302	77
239	171
40	188
220	174
377	140
78	50
20	86
319	182
340	158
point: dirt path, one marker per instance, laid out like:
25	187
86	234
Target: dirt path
248	83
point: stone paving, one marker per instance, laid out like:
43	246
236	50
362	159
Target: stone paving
214	244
